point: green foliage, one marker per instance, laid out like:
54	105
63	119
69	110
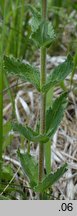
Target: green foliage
44	35
75	59
29	134
30	167
48	156
59	74
22	70
7	173
7	137
54	115
49	98
4	197
50	179
36	17
11	191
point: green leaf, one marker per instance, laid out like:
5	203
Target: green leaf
7	136
51	179
7	140
6	128
7	173
44	35
49	97
4	197
48	156
29	134
54	115
30	167
58	74
75	59
25	71
42	31
36	18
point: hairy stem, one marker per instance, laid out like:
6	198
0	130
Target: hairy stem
43	96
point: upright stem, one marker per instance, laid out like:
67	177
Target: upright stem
43	96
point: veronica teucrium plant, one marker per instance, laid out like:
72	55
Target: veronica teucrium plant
43	35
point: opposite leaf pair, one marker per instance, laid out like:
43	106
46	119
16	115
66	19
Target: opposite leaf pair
29	73
54	116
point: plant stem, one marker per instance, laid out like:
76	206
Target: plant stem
43	96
